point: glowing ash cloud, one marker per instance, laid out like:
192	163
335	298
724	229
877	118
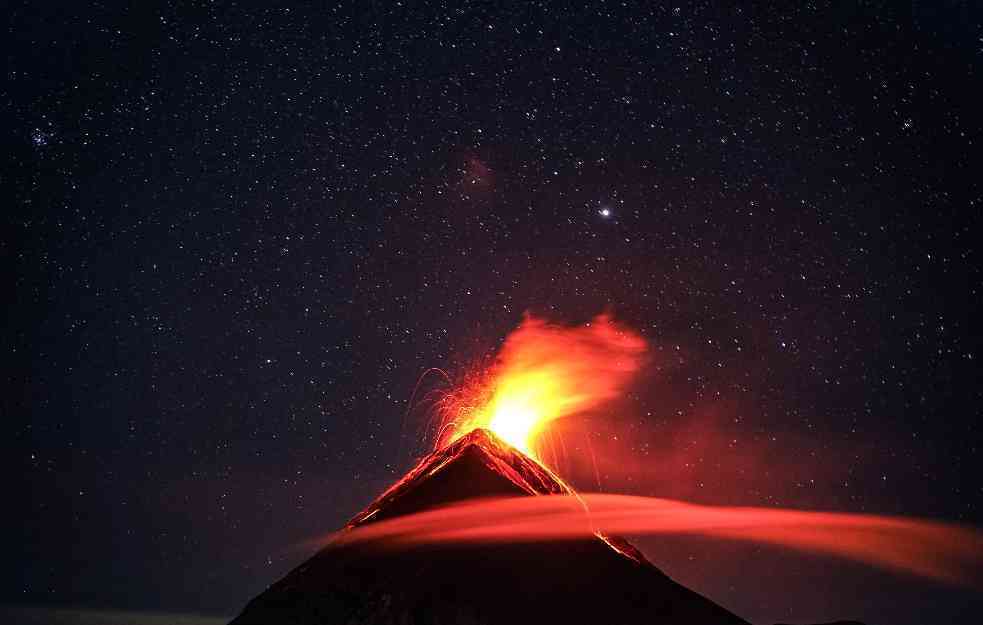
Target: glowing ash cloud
542	373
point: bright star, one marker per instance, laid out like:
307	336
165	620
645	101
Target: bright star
604	212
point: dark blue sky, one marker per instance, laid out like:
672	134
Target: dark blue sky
234	237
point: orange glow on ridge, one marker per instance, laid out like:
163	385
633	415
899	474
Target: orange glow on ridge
544	372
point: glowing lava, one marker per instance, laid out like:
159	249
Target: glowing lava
544	372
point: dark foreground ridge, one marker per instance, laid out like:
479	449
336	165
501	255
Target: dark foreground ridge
578	581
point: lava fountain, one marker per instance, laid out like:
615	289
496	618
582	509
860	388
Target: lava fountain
544	372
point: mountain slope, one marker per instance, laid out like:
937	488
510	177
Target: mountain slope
578	581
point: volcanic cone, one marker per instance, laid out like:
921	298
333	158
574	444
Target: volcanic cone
596	580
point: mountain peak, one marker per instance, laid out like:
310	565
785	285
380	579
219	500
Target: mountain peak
479	464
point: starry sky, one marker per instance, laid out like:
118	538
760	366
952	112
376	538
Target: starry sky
235	235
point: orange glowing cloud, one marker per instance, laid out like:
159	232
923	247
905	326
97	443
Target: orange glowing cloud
545	372
943	551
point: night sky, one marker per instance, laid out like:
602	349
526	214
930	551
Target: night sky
235	236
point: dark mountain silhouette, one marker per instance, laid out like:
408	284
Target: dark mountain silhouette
598	580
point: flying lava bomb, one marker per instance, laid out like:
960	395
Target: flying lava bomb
482	530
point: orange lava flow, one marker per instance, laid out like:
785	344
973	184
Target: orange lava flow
544	372
942	551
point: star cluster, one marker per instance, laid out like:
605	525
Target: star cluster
237	235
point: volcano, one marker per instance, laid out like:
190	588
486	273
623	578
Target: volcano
597	580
